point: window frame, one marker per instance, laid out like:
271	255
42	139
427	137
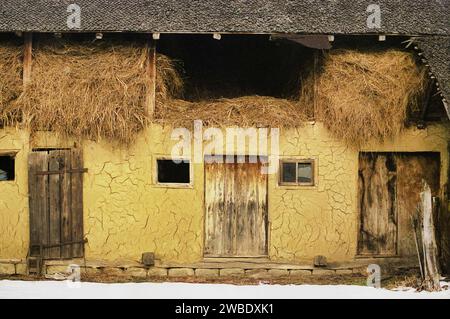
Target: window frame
297	161
13	155
172	185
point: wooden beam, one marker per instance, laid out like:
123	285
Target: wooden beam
27	58
426	100
431	271
151	77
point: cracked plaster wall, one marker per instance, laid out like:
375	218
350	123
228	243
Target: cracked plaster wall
125	213
14	232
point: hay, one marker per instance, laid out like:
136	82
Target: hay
10	80
87	90
97	90
92	91
247	111
169	83
363	96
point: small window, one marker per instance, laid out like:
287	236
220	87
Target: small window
170	172
297	172
7	167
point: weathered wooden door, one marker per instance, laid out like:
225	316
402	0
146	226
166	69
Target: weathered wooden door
236	210
389	188
56	203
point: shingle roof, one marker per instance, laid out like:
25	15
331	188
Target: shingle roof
262	16
436	51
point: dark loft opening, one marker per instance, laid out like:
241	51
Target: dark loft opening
7	165
237	65
171	172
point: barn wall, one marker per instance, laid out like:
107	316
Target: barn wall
14	232
125	214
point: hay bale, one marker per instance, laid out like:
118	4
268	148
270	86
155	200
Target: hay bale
246	111
97	90
83	89
363	96
87	90
10	80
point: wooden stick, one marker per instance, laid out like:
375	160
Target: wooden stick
151	74
432	276
27	58
414	222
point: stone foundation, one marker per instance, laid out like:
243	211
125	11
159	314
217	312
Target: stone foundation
200	270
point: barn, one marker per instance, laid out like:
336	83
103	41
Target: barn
339	114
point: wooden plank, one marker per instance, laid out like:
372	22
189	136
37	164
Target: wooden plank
77	202
387	222
38	192
151	74
66	200
210	208
262	221
27	58
62	171
378	213
37	199
33	165
54	205
243	224
213	193
229	218
432	276
412	168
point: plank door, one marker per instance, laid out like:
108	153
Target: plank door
377	204
56	203
236	210
389	193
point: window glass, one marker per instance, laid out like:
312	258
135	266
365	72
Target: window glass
171	172
289	174
7	168
305	173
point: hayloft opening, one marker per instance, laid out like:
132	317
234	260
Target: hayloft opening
7	167
236	65
170	172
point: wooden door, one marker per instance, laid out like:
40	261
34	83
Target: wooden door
56	203
236	210
389	192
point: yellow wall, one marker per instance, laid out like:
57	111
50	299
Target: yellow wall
127	214
14	231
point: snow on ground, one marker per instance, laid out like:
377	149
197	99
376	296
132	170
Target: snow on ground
63	290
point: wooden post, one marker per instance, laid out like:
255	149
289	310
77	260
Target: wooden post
151	74
432	276
27	58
